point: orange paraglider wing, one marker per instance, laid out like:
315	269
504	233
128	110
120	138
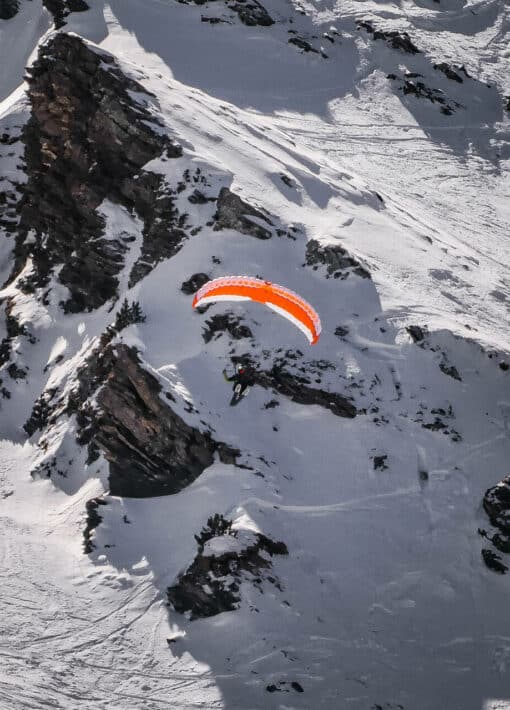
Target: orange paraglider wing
245	288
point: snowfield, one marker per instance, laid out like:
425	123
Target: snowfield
384	601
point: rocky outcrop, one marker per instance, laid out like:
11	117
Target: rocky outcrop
338	262
86	141
417	333
60	9
410	85
226	323
496	503
121	412
92	521
226	557
297	389
234	213
250	12
151	450
164	227
396	40
451	72
303	44
8	9
195	282
282	378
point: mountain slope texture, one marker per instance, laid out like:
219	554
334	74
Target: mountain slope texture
339	540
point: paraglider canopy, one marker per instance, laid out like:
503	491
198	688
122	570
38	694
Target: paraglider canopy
246	288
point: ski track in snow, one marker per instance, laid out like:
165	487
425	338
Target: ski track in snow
385	600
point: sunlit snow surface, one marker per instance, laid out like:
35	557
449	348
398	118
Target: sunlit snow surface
385	601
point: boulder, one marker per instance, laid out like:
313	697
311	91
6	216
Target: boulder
225	557
234	213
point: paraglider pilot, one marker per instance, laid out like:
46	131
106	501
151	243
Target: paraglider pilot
243	376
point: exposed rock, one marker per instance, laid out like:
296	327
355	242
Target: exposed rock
251	13
60	9
339	263
164	228
297	389
234	213
493	561
450	370
93	520
397	40
449	72
341	331
211	585
228	323
86	140
151	450
380	462
284	687
417	333
13	330
420	90
213	20
303	44
15	372
198	197
8	9
194	283
41	412
496	503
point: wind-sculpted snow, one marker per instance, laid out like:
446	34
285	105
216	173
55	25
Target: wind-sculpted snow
367	457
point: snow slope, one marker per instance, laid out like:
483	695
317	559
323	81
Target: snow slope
385	601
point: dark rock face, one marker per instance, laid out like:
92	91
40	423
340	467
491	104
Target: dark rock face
93	520
226	323
284	686
41	412
496	503
420	90
194	283
60	9
297	389
87	140
450	370
397	40
493	561
417	333
339	263
234	213
251	13
303	44
450	72
410	87
13	330
211	585
8	9
380	462
151	450
163	232
341	331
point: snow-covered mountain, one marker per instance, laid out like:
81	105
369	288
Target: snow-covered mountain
340	538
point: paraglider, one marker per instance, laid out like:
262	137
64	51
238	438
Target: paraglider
280	299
